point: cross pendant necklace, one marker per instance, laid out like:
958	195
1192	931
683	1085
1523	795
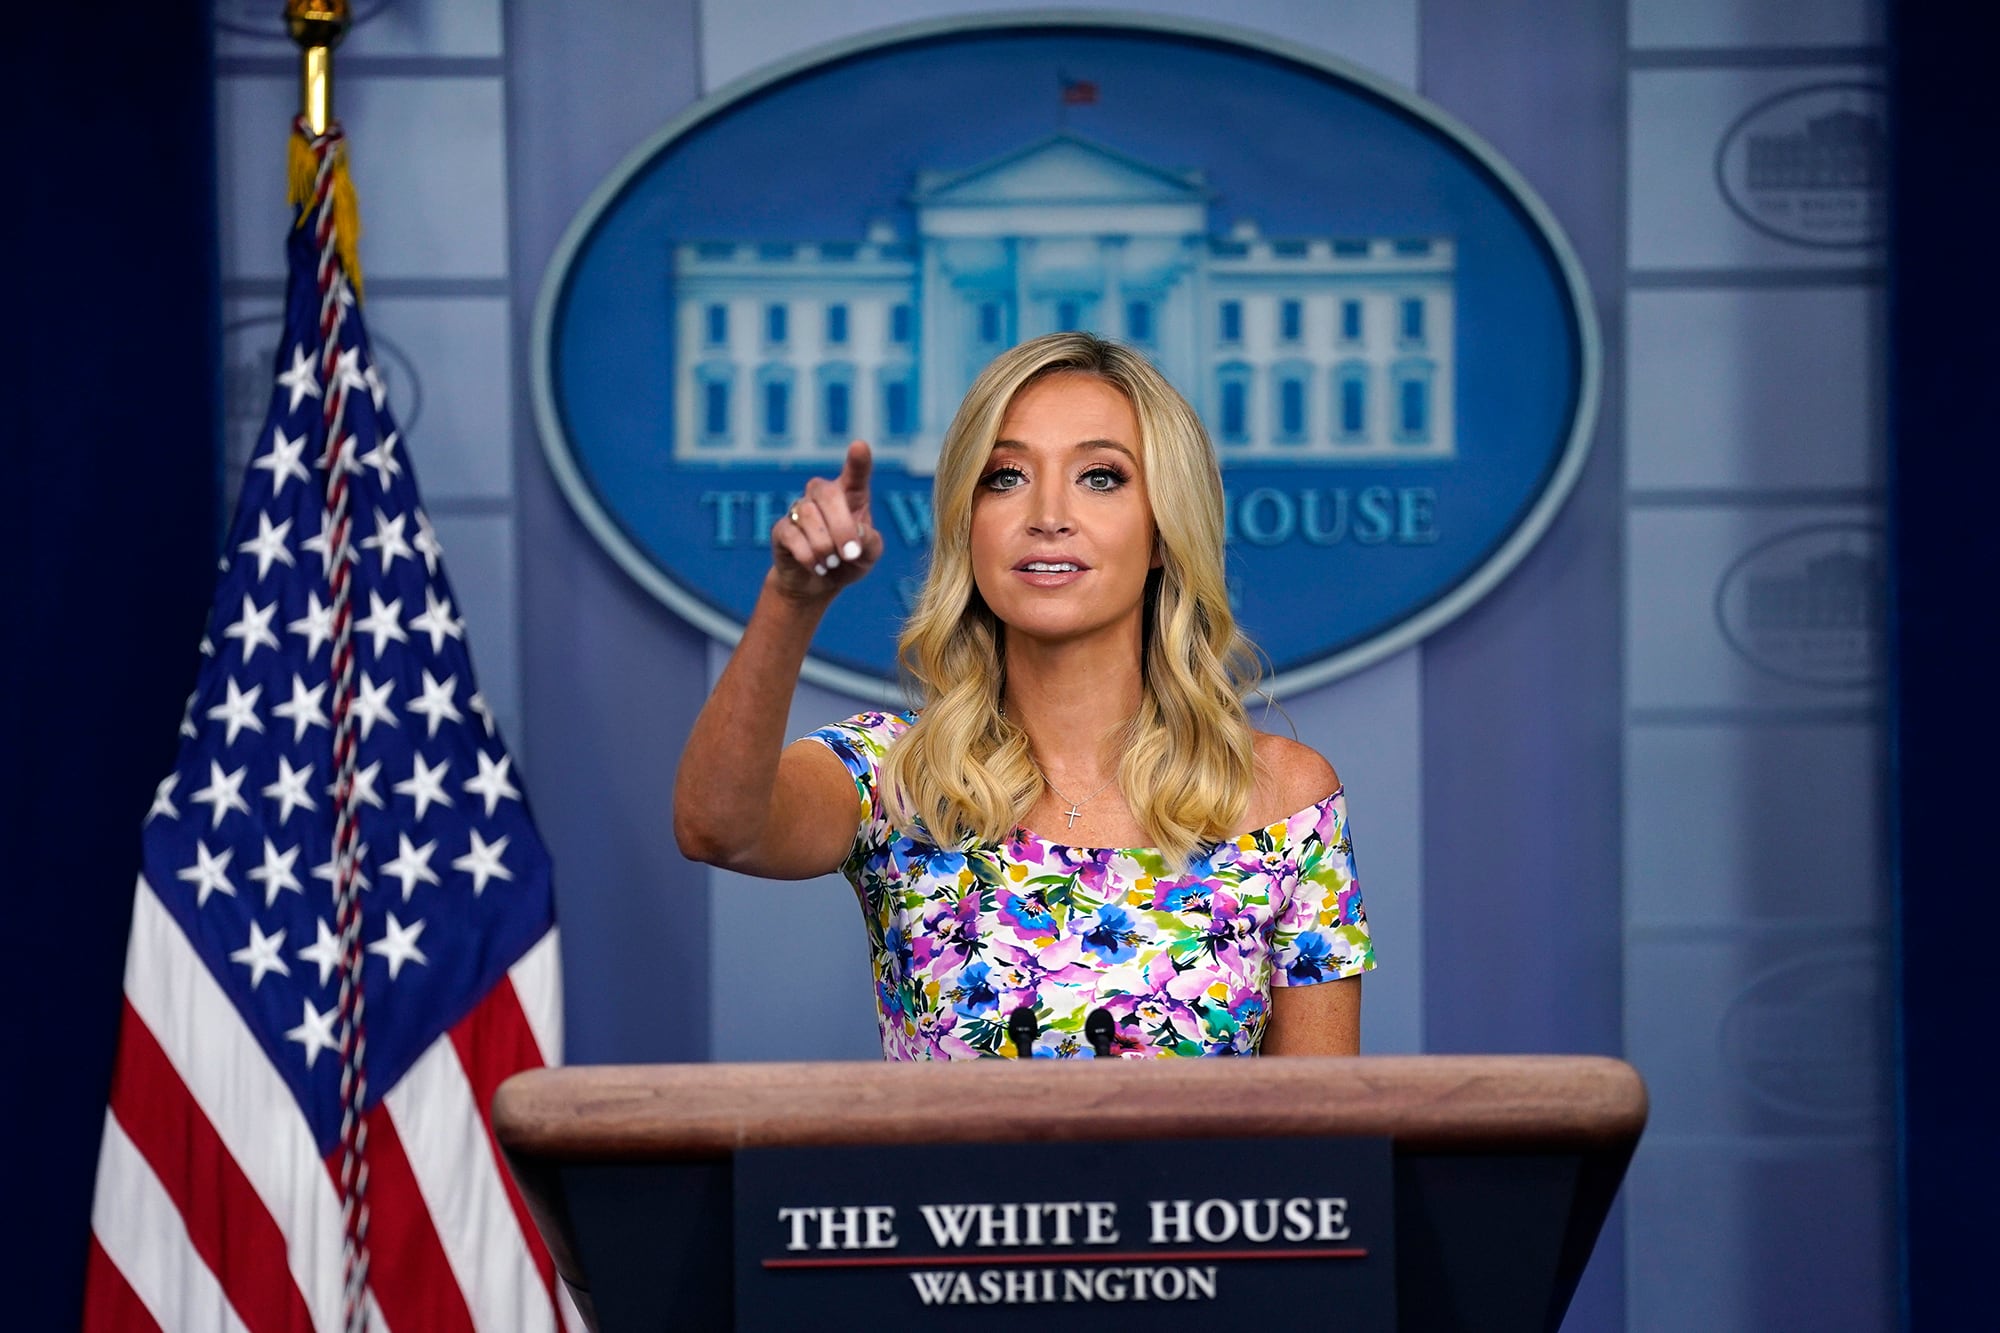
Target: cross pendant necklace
1075	810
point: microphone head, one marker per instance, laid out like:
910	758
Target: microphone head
1022	1030
1098	1029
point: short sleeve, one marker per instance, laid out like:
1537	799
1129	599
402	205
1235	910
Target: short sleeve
860	743
1321	931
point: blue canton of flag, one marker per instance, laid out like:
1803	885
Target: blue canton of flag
227	1102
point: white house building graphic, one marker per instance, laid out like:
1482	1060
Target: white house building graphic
1317	350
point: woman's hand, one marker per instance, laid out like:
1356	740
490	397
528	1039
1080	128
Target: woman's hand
828	539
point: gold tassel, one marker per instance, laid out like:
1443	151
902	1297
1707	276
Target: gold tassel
302	168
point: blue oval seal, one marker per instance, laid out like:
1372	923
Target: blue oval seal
1386	332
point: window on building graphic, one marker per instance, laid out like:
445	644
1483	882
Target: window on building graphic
1232	401
836	409
1229	322
777	409
1289	385
836	325
989	322
1413	320
902	323
1350	396
1139	321
1412	381
773	406
716	324
836	402
1291	320
1350	321
774	323
715	381
899	402
1067	316
715	408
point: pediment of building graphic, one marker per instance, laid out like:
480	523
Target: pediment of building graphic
1062	168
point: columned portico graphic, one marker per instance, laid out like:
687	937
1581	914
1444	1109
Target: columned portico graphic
1310	349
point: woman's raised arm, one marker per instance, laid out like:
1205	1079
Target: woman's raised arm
742	799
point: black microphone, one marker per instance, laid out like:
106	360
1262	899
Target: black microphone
1097	1029
1023	1029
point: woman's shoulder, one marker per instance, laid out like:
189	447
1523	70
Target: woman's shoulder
1291	775
864	737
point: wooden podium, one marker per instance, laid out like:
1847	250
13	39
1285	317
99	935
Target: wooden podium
1504	1167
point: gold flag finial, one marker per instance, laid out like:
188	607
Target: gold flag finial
317	26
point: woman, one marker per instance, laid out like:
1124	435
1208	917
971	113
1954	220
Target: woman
1081	745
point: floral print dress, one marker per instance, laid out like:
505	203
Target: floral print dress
1183	963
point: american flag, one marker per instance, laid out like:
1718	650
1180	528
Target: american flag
218	1200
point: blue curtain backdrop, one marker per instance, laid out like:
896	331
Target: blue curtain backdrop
112	430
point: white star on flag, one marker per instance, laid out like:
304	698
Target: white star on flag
425	785
323	951
316	624
289	791
324	870
377	390
163	798
492	784
210	873
371	704
388	538
382	622
436	704
260	955
427	544
383	459
223	792
399	945
318	544
238	711
302	710
301	379
269	545
412	865
253	629
482	861
437	620
479	705
276	873
315	1032
284	462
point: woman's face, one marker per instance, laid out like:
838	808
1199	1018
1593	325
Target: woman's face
1062	530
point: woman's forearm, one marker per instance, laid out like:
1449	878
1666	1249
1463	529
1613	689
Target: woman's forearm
729	770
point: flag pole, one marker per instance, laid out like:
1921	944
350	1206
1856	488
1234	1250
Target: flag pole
317	26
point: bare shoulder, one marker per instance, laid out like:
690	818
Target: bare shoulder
1291	775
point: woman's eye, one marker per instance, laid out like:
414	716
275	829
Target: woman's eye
1002	479
1103	479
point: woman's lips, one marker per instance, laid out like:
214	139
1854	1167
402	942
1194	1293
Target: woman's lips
1049	573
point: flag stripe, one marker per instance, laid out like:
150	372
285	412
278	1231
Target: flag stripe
537	979
226	1222
141	1232
410	1274
452	1162
493	1042
109	1303
251	1108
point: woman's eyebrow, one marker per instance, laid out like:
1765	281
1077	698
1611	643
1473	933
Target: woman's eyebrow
1078	447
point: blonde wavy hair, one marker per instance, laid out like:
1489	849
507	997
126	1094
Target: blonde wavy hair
964	772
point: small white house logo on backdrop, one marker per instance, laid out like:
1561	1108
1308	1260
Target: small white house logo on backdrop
1808	605
1807	1036
1810	165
